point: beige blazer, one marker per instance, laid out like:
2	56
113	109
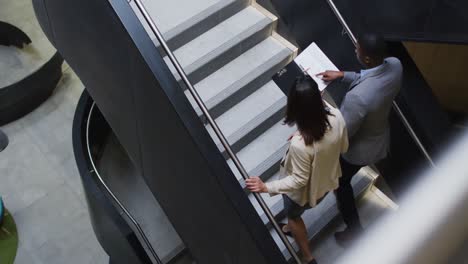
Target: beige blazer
309	172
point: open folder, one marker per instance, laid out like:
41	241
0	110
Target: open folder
311	61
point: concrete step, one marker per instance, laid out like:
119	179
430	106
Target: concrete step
319	217
221	44
181	25
262	156
251	117
239	78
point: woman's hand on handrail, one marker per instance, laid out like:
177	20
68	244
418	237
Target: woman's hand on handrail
255	184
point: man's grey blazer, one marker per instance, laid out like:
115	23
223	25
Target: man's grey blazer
366	108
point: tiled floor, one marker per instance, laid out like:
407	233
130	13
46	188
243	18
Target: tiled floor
41	187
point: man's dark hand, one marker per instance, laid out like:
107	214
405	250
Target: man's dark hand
255	184
329	76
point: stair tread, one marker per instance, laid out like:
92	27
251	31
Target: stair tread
172	16
250	113
248	65
264	151
219	39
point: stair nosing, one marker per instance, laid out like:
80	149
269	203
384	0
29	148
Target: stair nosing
255	122
271	161
265	165
245	80
274	156
225	47
194	22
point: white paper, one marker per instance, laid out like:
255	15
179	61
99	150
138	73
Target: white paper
314	61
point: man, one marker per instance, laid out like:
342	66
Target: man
365	108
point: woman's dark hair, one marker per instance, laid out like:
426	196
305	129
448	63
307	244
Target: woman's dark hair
306	110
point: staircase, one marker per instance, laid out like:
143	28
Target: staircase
229	50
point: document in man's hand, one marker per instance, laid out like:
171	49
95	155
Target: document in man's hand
311	61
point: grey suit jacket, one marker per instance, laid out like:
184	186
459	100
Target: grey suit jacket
366	108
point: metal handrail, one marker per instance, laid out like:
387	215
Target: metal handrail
412	133
395	104
114	197
343	22
213	124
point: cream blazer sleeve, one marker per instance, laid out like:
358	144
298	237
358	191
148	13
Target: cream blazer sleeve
301	163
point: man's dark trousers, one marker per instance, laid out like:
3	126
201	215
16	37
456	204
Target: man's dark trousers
345	196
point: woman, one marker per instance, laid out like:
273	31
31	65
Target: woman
311	166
